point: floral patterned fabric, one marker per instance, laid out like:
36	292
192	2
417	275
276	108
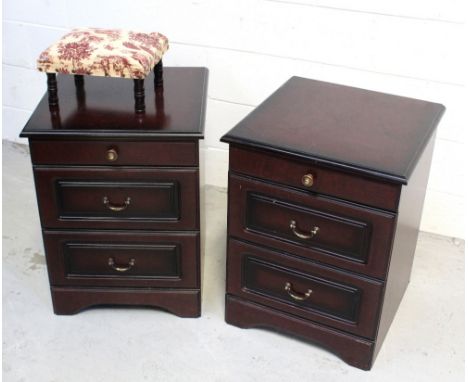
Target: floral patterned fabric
104	52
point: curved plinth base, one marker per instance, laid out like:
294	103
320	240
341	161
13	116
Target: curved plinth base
354	350
183	303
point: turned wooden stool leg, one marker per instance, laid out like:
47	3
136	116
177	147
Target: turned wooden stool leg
158	74
55	118
52	89
80	92
159	100
79	80
139	91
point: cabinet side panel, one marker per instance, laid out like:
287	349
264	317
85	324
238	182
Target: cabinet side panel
405	240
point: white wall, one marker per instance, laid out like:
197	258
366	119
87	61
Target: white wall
411	48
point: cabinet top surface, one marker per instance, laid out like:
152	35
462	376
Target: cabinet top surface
106	108
365	131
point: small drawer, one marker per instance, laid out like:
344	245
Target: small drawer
316	179
304	288
314	226
128	198
138	153
121	259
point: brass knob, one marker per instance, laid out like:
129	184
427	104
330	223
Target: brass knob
308	180
112	155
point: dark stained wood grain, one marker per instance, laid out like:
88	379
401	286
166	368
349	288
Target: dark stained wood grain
354	350
368	155
103	173
175	110
338	299
350	236
129	153
181	302
277	168
160	198
161	259
404	244
352	129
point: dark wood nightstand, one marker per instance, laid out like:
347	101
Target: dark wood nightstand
326	189
118	192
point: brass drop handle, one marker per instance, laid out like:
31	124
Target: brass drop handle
112	155
115	207
301	235
118	268
308	180
296	295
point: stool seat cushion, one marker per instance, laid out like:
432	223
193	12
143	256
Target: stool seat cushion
104	52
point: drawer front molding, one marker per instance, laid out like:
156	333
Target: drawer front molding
312	228
309	292
157	200
104	258
138	198
122	260
346	235
336	298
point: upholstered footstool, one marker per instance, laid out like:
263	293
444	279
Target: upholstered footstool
105	52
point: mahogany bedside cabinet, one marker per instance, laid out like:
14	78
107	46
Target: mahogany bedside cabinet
326	190
118	191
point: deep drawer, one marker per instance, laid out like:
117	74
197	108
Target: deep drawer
313	226
304	288
139	153
122	259
315	179
127	198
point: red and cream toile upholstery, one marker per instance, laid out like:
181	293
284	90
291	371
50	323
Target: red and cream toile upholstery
104	52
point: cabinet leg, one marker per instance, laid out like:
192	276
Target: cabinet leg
183	303
353	350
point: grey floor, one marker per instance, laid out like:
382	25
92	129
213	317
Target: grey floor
425	343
